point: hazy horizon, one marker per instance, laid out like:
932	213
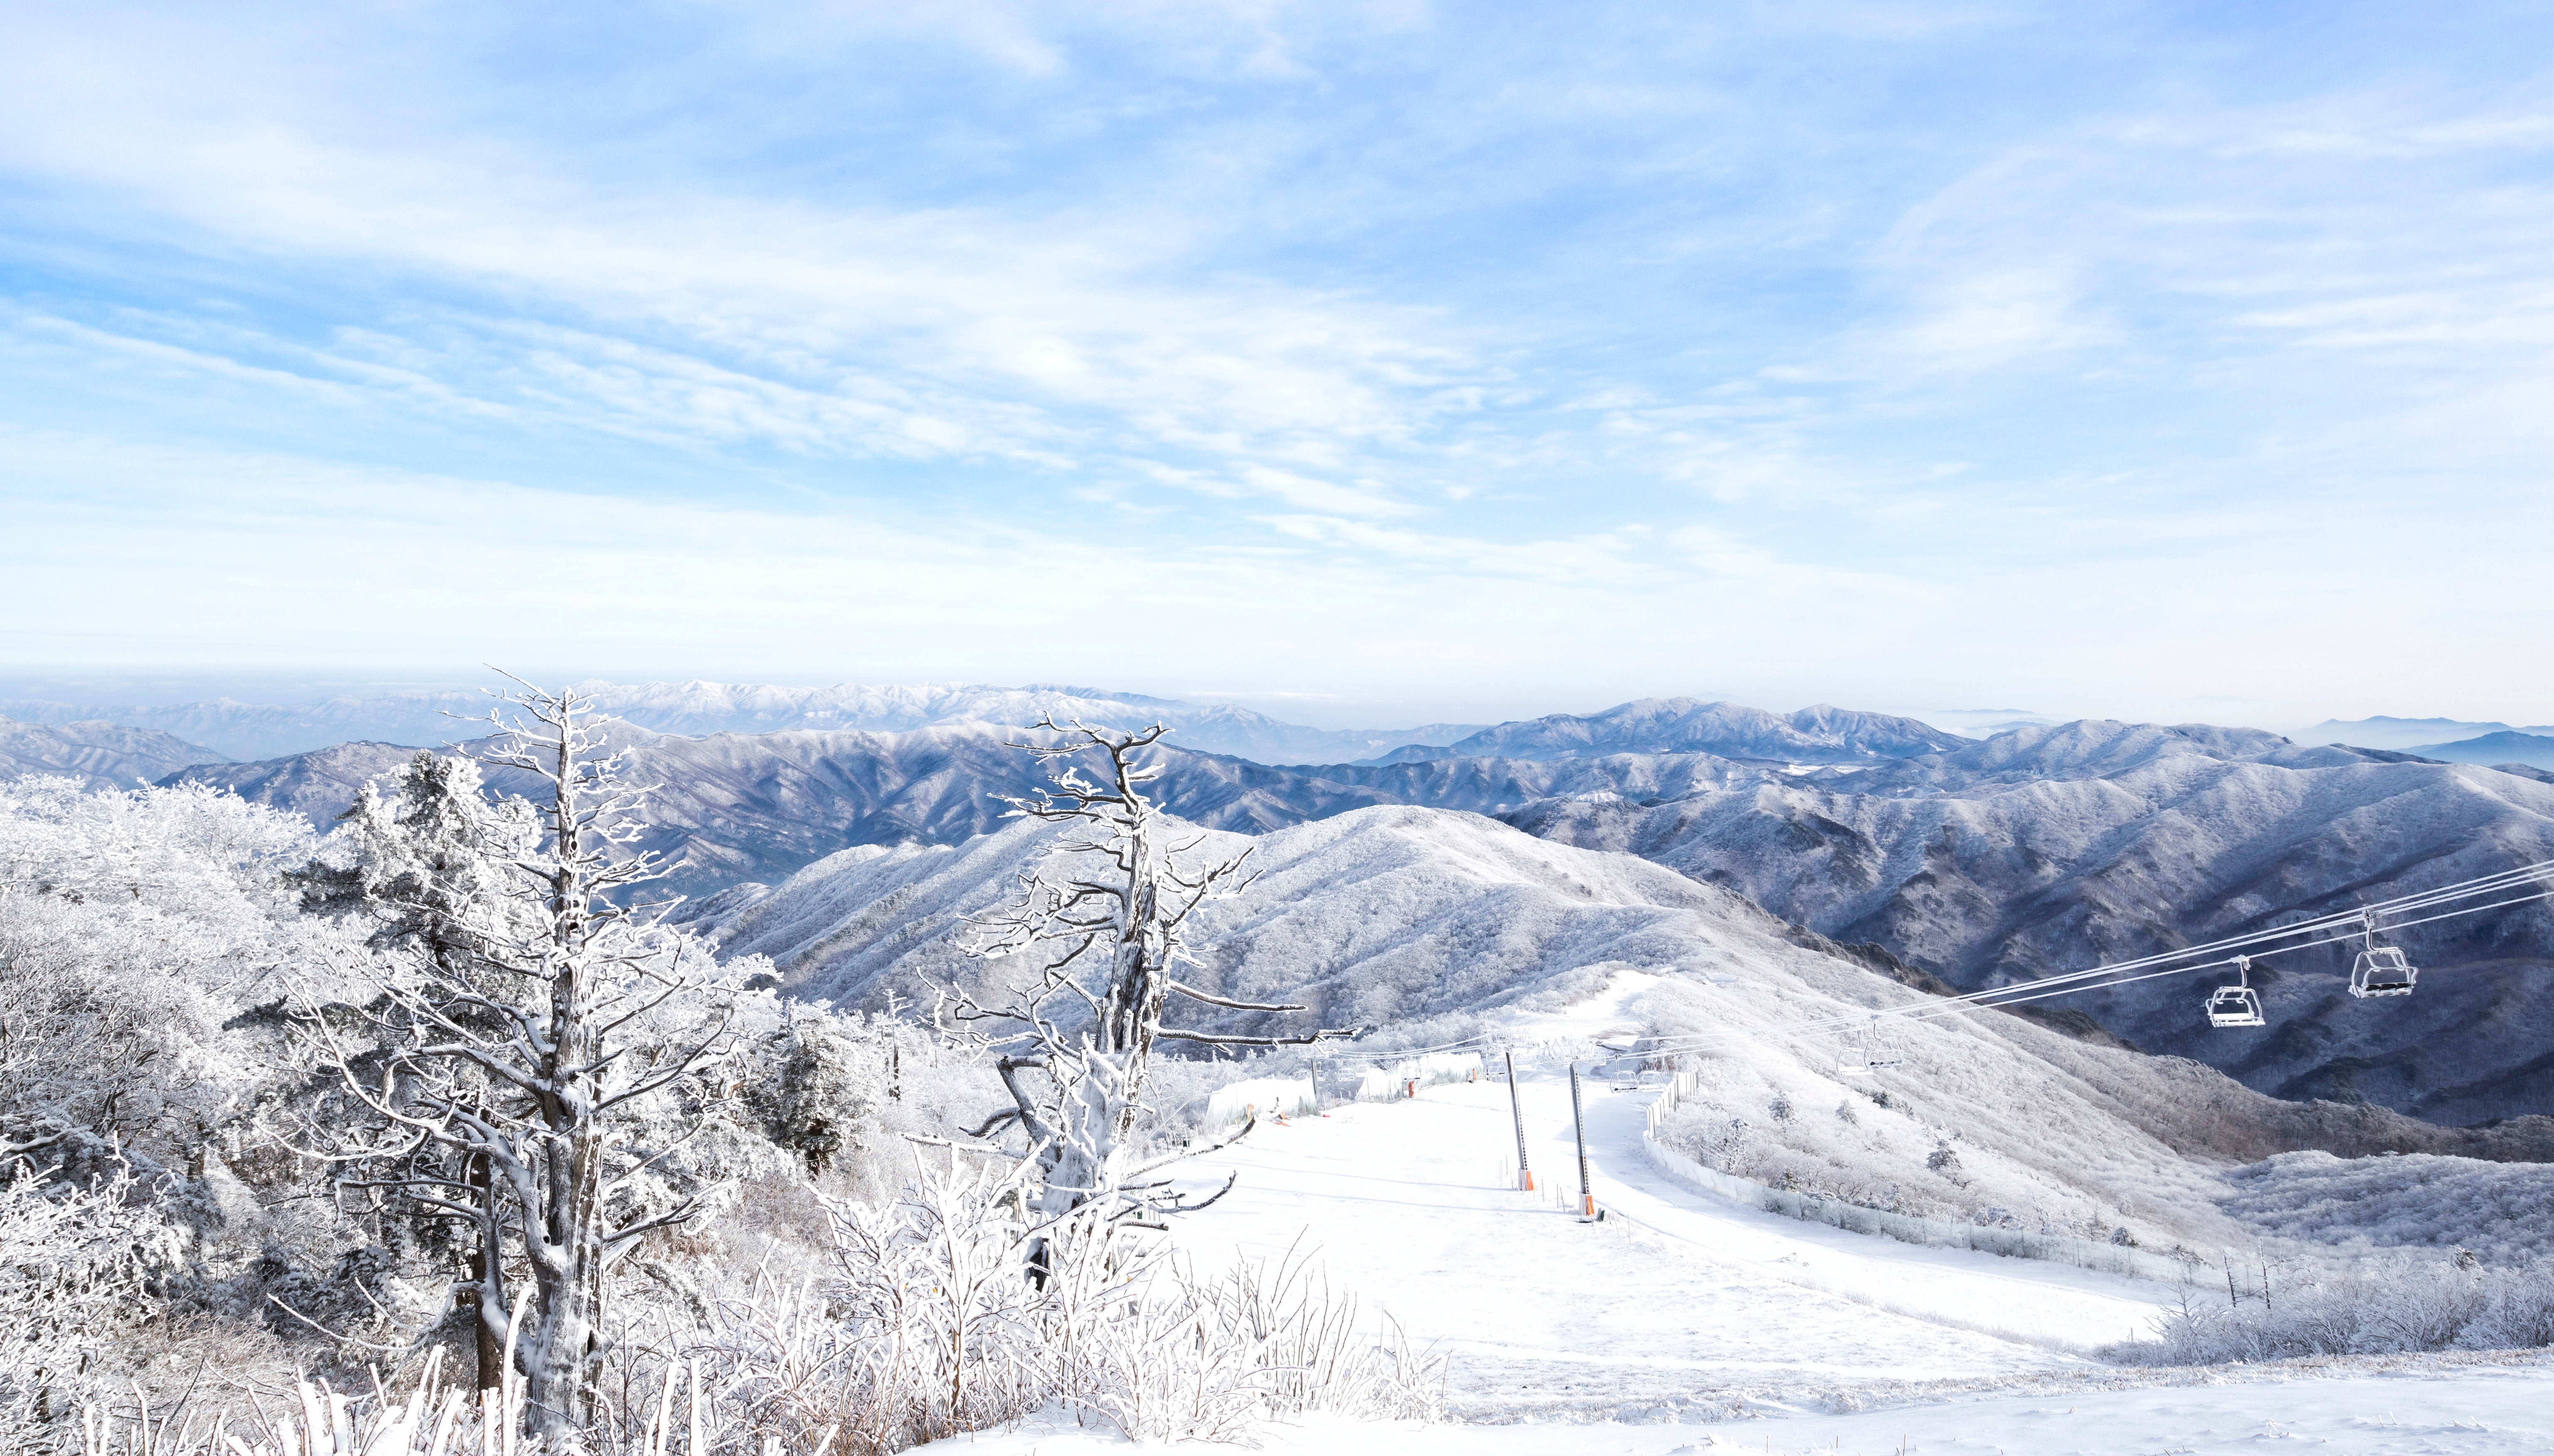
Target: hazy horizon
168	689
1445	358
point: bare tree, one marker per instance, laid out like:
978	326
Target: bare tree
531	1072
1106	914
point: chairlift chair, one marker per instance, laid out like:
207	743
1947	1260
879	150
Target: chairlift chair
1880	1049
2381	970
2237	1004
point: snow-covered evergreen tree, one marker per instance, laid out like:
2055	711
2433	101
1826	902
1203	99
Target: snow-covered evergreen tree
532	1066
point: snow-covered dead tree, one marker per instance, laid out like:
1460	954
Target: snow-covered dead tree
1106	915
528	1072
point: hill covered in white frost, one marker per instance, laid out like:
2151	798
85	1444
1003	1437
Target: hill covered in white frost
101	755
1437	925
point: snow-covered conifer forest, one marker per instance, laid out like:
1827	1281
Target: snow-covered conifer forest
710	1070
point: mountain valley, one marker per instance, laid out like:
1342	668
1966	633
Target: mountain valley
2043	849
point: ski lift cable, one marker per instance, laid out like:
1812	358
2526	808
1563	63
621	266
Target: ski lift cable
1972	1002
2357	917
1982	1000
2104	976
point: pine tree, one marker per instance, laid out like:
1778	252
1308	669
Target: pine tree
542	1044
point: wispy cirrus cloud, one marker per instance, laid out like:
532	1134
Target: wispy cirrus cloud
1841	325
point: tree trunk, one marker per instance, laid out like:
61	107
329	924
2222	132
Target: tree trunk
485	1273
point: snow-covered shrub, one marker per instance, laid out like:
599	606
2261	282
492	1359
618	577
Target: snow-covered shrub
134	928
2369	1308
931	1326
1880	1152
1260	1096
2416	1200
72	1264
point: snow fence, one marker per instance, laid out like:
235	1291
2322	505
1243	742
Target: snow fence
2013	1243
1261	1096
1402	1078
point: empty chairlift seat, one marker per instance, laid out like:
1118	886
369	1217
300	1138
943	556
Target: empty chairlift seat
2381	970
2237	1004
1875	1050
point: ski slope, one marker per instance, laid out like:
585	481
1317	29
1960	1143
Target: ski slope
1682	1325
1407	1203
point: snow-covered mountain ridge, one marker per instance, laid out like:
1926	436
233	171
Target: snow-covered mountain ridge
2045	849
2052	848
248	730
1434	923
759	806
1819	734
100	755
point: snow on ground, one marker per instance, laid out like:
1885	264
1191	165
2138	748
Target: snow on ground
2468	1411
1674	1297
1683	1325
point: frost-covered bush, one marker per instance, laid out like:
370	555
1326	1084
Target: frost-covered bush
134	929
931	1326
2498	1210
2371	1308
1880	1155
72	1264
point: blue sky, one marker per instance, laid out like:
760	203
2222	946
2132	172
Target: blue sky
1369	363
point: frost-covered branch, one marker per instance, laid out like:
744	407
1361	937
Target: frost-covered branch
1104	920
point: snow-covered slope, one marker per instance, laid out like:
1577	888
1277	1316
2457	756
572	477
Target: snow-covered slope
101	755
1820	734
250	730
2494	1210
318	786
2049	848
1427	920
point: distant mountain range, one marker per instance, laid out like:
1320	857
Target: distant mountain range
1820	734
252	732
102	755
2043	849
760	806
2535	750
2403	735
